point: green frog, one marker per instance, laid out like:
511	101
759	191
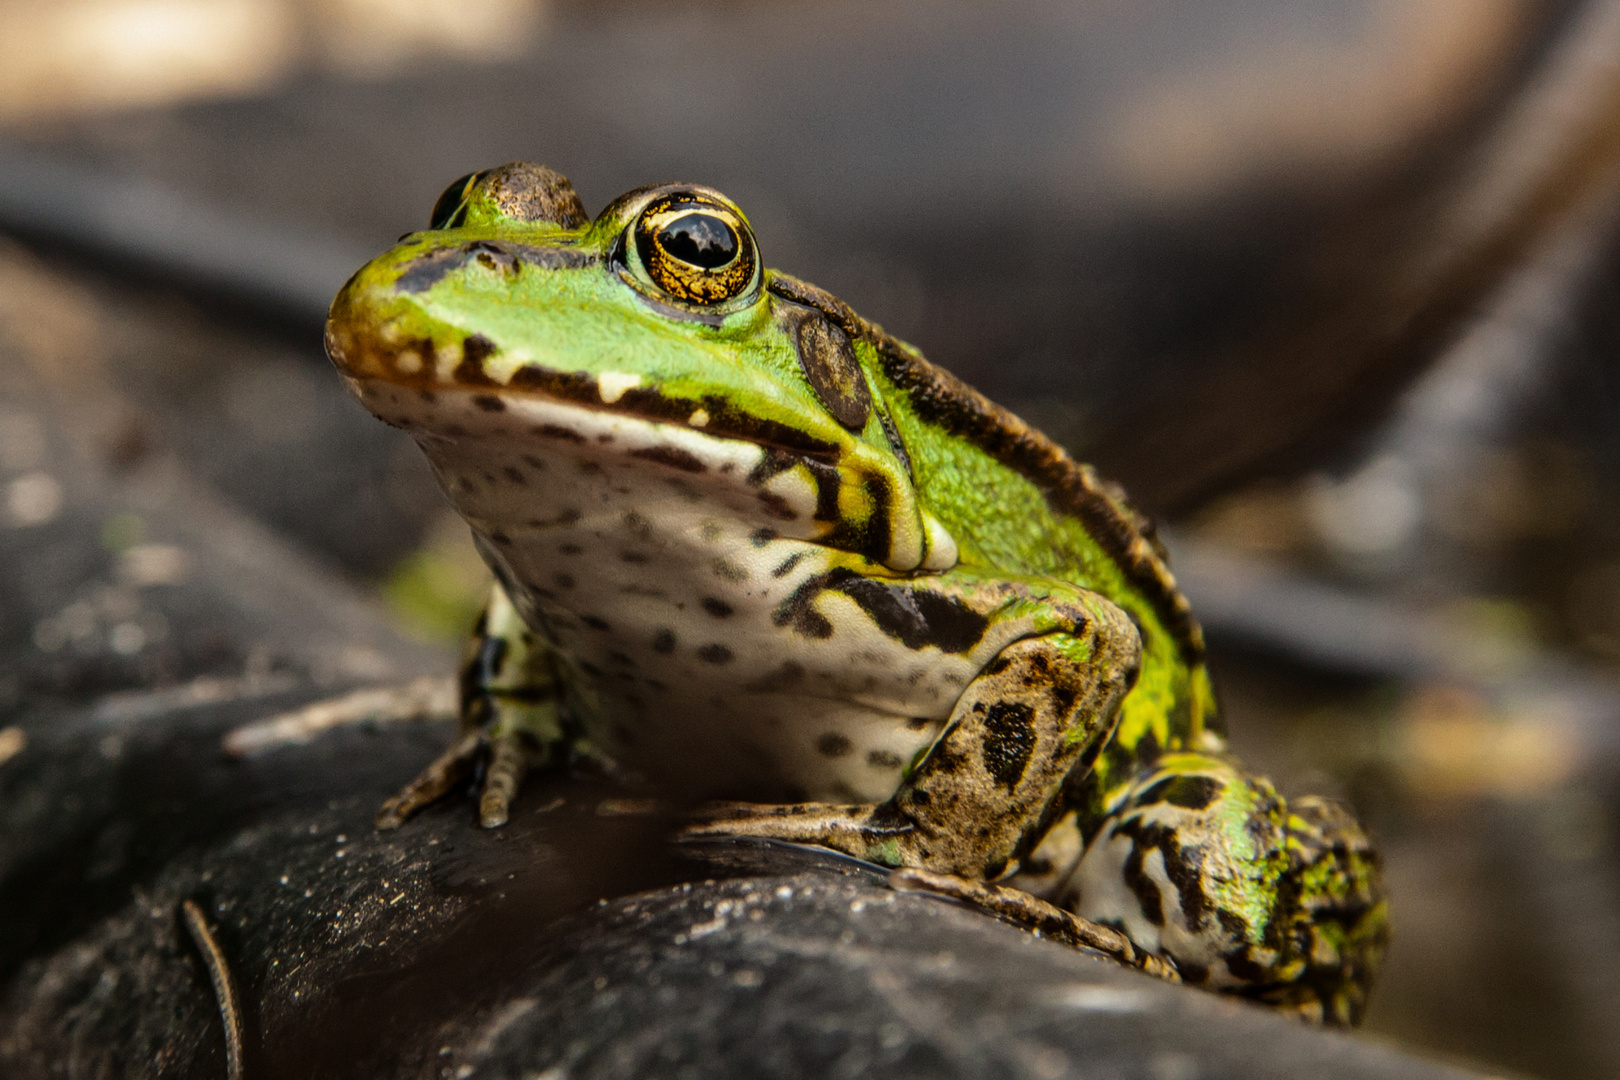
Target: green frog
750	547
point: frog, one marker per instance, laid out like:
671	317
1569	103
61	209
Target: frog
752	549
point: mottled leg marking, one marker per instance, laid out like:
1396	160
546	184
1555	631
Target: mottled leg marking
1031	913
510	699
1205	864
981	795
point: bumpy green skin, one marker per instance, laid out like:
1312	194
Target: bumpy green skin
967	650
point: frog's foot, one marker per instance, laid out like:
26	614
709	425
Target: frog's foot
510	697
430	698
1249	895
1036	915
511	755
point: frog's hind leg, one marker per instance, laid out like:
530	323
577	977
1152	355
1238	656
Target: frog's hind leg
983	793
1209	867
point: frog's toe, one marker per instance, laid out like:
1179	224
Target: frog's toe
432	783
844	827
510	757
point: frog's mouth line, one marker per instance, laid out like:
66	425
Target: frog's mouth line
415	366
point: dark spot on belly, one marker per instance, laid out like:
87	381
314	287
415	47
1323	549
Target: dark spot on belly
465	484
917	723
729	571
427	395
761	537
621	659
489	403
537	464
632	557
557	431
835	745
785	567
564	581
673	456
664	641
501	538
790	674
718	608
715	654
454	430
590	468
637	526
515	474
884	759
570	549
604	439
595	622
1009	740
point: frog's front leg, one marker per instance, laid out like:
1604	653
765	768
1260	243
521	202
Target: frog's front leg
1209	867
511	695
984	791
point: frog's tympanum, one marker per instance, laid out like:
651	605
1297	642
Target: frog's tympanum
750	547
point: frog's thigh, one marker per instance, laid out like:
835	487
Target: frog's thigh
1043	707
1208	866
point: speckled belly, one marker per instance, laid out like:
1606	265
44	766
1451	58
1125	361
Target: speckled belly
690	620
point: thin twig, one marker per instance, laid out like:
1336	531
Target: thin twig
220	975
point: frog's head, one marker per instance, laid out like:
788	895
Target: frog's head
517	326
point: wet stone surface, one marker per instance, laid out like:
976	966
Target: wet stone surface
573	943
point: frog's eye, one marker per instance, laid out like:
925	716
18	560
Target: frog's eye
451	208
696	249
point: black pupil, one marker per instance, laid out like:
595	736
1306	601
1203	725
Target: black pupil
700	239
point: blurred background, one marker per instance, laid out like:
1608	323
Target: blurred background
1330	285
